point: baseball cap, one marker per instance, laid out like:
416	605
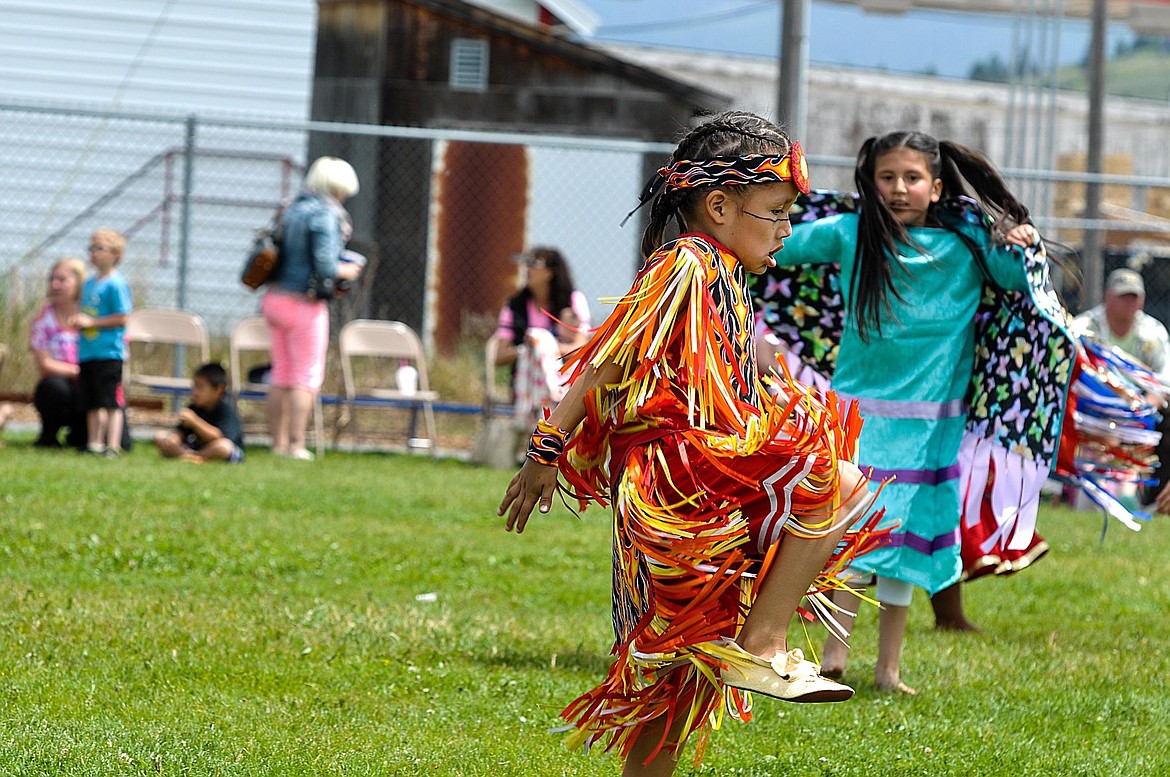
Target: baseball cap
1125	281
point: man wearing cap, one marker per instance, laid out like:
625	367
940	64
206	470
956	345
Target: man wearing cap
1120	321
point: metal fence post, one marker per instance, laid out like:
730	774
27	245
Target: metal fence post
185	209
1094	261
792	97
185	233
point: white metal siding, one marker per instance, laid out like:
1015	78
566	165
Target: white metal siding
243	58
250	57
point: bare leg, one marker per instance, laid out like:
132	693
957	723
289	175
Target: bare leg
300	406
169	444
216	450
278	419
797	563
93	426
5	412
835	654
114	429
664	764
948	610
891	635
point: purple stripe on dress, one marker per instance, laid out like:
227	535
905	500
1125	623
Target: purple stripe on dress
915	477
922	544
894	408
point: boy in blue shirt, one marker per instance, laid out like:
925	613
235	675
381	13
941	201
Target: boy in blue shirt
209	428
101	347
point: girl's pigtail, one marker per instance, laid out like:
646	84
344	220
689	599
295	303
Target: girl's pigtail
989	188
984	181
878	234
653	236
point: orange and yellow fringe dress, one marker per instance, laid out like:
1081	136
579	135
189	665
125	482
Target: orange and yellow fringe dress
705	472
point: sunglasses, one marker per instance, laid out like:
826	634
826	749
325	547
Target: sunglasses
530	261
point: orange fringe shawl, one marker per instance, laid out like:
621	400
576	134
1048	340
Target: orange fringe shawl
686	440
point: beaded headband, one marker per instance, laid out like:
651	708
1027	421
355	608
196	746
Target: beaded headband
729	171
738	170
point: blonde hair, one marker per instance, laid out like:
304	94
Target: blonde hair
73	266
330	175
116	240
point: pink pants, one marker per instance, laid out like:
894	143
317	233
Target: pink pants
299	329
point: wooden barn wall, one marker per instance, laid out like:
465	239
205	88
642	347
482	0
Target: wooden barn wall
390	213
528	88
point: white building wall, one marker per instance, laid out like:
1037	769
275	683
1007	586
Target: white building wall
251	57
845	106
63	175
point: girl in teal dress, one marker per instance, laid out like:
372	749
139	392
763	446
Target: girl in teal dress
913	267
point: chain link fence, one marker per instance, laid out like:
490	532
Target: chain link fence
440	214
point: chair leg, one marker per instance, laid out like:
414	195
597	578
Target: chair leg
429	413
412	430
319	424
353	423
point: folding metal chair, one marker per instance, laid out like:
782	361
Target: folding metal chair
176	331
251	334
395	342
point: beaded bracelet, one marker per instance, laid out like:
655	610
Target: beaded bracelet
547	443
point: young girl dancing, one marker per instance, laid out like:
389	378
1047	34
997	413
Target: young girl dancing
727	503
914	262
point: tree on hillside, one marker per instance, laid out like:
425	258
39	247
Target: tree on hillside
995	70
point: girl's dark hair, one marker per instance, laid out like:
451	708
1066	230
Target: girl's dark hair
963	171
733	133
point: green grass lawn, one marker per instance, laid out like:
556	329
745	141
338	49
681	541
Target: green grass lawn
367	615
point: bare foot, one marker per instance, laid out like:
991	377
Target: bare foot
894	685
834	656
191	458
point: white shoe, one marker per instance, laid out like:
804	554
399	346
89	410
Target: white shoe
786	676
301	454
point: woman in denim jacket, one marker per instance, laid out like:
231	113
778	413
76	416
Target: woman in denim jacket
315	228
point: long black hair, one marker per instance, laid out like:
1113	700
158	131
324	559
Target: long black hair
560	289
733	133
963	171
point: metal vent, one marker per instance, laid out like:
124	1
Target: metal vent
469	64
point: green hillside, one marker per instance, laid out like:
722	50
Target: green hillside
1141	70
1144	72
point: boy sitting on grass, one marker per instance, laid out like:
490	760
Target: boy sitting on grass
209	428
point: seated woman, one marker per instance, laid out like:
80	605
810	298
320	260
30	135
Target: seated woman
54	349
542	322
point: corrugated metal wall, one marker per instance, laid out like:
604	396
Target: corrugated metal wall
200	56
65	175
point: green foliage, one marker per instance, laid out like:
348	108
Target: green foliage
1137	69
1140	72
16	314
367	615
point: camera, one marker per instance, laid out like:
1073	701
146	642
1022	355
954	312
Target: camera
324	288
333	288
